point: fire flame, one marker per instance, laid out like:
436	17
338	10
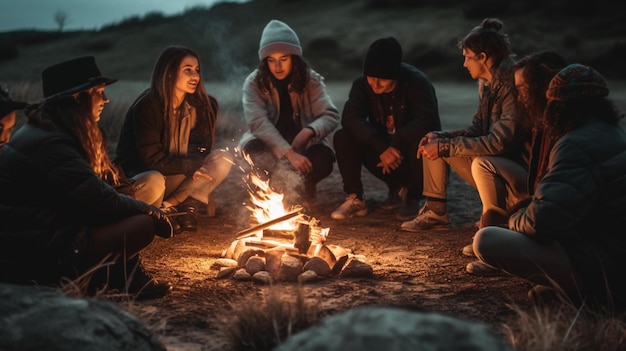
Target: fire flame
268	204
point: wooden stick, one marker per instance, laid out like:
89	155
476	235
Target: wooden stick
250	231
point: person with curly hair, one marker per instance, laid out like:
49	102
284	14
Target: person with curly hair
289	116
500	181
567	237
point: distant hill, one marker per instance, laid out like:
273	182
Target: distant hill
334	34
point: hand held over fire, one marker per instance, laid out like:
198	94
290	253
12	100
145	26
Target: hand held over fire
299	162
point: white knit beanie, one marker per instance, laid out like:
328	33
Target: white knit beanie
278	37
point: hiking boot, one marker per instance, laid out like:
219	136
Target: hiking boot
188	221
394	200
142	286
408	210
426	219
172	213
468	250
351	207
482	269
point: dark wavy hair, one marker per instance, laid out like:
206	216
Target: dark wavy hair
561	117
487	38
299	74
538	69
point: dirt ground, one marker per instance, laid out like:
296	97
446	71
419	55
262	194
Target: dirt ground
424	271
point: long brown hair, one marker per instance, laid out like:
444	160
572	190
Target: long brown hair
163	82
74	114
538	69
299	74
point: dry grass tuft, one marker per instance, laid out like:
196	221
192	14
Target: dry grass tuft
563	327
263	322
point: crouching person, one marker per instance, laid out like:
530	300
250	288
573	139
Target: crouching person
60	220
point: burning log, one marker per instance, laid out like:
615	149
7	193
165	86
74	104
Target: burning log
288	246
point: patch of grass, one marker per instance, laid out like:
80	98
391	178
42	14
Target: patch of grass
263	322
563	327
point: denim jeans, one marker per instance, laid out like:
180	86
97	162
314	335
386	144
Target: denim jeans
217	165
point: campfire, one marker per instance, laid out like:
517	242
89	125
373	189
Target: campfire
284	244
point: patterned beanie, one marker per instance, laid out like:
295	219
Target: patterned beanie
278	37
577	81
383	59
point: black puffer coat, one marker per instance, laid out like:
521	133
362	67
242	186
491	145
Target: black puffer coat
580	203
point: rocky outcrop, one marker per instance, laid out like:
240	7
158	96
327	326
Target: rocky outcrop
394	329
39	318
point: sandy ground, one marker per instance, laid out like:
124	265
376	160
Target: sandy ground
424	271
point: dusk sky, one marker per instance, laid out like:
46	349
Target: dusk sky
86	14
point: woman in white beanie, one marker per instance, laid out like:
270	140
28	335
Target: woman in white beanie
289	115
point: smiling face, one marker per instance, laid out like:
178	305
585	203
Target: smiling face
279	64
7	123
188	77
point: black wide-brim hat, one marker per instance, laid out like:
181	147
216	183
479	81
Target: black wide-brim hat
7	105
73	76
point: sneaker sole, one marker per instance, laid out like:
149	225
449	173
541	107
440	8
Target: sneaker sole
435	228
484	272
361	213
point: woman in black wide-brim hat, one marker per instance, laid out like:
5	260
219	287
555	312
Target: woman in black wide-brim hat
61	221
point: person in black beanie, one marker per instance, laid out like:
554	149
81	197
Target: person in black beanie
389	109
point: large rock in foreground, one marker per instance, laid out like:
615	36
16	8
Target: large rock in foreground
394	329
38	318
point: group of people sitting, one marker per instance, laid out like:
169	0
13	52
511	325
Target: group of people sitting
544	151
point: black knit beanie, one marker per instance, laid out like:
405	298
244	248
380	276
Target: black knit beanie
384	59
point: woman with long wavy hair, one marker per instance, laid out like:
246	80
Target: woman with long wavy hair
61	220
171	128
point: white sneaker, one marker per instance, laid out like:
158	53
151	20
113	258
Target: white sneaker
351	207
425	220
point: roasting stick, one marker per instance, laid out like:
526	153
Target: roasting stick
246	233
